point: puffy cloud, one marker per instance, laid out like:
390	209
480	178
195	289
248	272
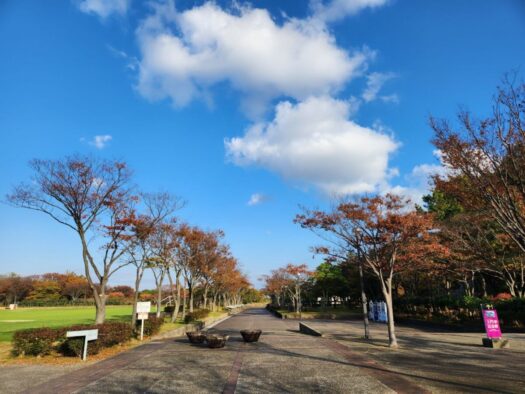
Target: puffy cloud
419	181
339	9
104	8
257	198
315	142
374	83
100	141
186	53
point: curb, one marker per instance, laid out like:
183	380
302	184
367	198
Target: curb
305	329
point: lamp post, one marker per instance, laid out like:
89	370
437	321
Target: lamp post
362	284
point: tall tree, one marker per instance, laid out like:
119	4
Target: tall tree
384	232
490	154
157	208
92	198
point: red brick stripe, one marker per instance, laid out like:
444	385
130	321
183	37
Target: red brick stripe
231	383
80	378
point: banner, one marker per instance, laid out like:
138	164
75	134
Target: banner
490	318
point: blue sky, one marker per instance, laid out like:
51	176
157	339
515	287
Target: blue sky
245	111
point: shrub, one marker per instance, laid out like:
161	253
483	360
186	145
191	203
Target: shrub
169	309
152	325
196	315
109	334
36	341
42	341
502	297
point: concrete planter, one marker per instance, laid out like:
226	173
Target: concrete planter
216	341
196	336
251	335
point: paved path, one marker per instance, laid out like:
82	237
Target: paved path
282	361
439	360
285	361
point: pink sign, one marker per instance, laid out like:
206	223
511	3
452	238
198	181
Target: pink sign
490	318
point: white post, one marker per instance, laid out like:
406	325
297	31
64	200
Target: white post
84	353
141	329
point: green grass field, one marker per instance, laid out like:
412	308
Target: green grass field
11	321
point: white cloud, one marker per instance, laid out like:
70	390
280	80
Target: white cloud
104	8
419	181
374	83
335	10
185	54
100	141
257	198
131	62
315	142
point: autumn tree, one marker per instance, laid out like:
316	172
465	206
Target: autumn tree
45	290
479	246
157	209
14	288
384	231
74	286
296	277
490	154
92	198
288	280
275	286
199	252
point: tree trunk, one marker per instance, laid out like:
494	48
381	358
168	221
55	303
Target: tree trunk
159	299
100	299
100	305
214	302
387	294
364	301
138	278
175	295
190	290
483	285
184	304
177	299
205	296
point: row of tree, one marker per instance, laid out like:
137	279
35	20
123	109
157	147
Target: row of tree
119	227
469	233
46	287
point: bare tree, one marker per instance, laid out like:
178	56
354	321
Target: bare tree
92	198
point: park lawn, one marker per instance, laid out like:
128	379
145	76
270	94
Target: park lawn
19	319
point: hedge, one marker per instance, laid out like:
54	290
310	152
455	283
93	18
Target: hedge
461	310
152	325
109	334
36	341
196	315
169	309
43	341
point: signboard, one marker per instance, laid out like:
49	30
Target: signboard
89	335
142	314
490	318
143	307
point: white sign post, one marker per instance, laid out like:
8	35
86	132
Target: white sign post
89	335
143	309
